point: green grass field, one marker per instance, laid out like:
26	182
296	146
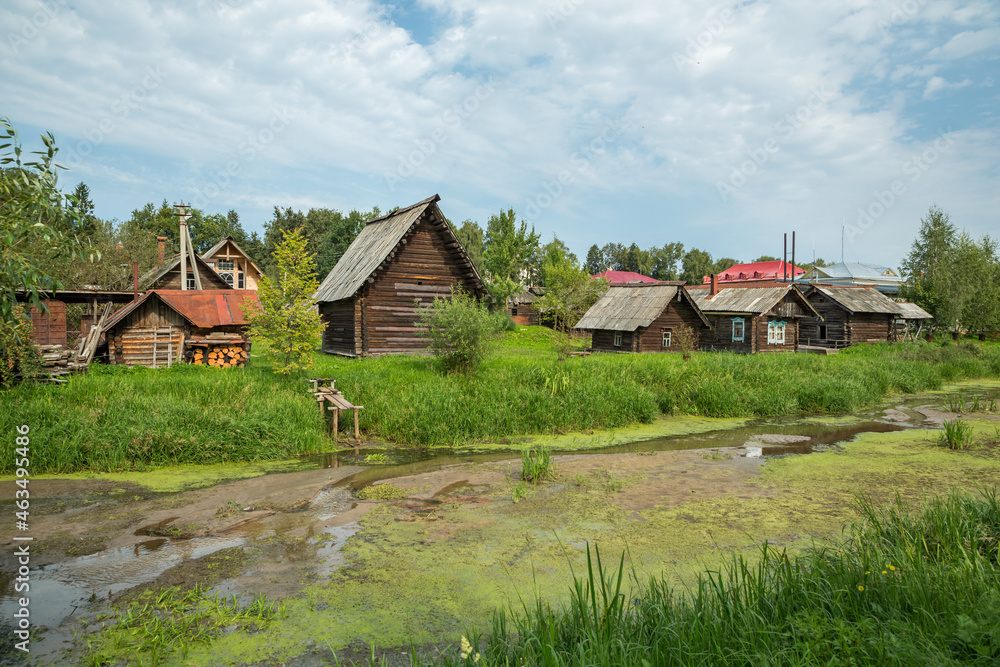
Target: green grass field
124	419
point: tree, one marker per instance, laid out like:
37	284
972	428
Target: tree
666	260
976	274
721	265
80	203
615	256
927	270
507	254
765	258
462	332
286	317
697	265
32	214
553	249
569	289
470	235
595	261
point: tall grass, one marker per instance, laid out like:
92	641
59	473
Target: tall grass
116	418
905	588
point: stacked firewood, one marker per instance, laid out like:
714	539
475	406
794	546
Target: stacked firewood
222	356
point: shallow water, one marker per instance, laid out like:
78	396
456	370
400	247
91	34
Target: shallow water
59	590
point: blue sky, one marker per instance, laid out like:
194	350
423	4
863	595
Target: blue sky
719	125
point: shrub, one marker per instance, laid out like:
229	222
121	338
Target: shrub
461	330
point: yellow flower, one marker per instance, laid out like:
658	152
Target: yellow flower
867	572
892	568
861	588
466	648
884	572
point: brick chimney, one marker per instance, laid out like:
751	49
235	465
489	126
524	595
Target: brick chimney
715	286
161	246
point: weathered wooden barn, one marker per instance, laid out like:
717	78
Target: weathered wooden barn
750	320
523	307
168	276
163	327
642	317
399	261
847	316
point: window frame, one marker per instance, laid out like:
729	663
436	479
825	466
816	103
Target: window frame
742	328
618	339
666	337
776	332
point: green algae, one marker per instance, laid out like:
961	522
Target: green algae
187	477
661	427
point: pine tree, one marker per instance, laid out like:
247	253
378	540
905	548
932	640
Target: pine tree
287	319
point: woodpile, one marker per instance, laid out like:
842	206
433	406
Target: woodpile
59	360
222	356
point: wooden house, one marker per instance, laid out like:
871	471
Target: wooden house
164	327
168	276
523	307
233	264
847	316
402	260
750	320
642	317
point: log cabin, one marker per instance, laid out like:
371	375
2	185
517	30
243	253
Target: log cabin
751	320
847	316
642	317
164	327
523	307
168	276
397	263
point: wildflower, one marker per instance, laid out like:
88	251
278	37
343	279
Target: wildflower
467	650
861	588
884	572
867	572
892	569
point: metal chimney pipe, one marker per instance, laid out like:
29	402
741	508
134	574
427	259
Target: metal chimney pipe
793	256
784	261
135	280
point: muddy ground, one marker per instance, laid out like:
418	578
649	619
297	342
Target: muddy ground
449	545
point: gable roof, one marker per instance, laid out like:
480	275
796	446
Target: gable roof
218	246
773	270
623	277
375	244
746	300
858	299
151	276
854	270
628	307
911	311
204	309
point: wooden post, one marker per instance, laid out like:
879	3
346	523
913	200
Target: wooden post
154	347
357	434
336	417
170	346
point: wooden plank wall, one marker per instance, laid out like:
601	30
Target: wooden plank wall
172	279
338	320
421	269
676	313
835	319
50	327
527	315
604	341
131	341
870	327
720	336
791	333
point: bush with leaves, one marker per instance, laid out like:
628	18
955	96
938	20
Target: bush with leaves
461	330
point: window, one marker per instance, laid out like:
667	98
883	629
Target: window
738	326
666	338
618	340
822	332
228	277
190	282
513	312
775	333
225	265
239	282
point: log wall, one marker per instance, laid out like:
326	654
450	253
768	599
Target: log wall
172	279
604	341
720	336
676	313
870	327
339	326
834	317
524	314
760	333
153	335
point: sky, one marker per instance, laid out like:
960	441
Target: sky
718	125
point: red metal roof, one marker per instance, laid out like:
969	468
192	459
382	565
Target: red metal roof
202	308
624	277
757	271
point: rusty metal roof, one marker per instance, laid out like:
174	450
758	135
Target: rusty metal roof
204	309
628	307
858	299
911	311
750	300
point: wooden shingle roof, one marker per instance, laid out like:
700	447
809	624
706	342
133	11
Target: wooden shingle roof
859	299
374	245
746	300
628	307
911	311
